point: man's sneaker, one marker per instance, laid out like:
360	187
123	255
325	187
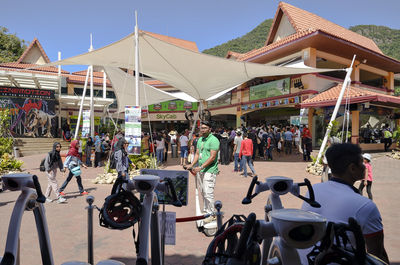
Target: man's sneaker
61	200
84	193
48	200
62	193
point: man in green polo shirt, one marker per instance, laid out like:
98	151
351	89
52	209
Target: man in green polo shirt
207	169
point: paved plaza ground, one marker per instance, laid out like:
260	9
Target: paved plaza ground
68	222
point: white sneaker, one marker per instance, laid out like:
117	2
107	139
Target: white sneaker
48	200
61	200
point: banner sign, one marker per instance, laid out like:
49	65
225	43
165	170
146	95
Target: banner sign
270	89
32	111
272	103
26	93
173	105
133	128
223	100
167	225
86	123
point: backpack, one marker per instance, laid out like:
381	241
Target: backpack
113	164
42	167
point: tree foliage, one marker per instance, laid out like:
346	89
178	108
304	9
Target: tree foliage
11	47
253	40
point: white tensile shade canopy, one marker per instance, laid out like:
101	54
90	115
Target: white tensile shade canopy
126	90
198	75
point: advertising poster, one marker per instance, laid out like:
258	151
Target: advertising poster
223	100
173	105
270	89
133	128
32	111
180	180
86	123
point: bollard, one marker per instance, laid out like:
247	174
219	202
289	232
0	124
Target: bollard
90	200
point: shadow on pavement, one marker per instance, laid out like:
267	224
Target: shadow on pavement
5	203
169	260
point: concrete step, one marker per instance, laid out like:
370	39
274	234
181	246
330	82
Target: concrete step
32	146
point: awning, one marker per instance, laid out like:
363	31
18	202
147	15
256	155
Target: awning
198	75
355	94
28	80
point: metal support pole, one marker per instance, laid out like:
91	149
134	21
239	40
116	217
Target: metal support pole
90	200
104	84
59	95
91	93
337	106
91	103
137	60
81	106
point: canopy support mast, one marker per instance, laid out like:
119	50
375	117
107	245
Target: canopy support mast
137	59
337	106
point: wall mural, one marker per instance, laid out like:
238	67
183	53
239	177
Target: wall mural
32	111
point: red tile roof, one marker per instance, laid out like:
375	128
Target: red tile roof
303	20
276	44
16	65
306	23
190	45
35	41
80	79
356	95
95	74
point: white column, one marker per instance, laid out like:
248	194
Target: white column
91	103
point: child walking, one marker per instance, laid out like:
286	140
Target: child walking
367	181
73	163
51	163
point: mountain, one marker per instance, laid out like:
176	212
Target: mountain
253	40
387	39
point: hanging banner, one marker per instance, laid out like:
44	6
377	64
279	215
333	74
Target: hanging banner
86	123
133	128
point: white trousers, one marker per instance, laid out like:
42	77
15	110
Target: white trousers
206	184
52	183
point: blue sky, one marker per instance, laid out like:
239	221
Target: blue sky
66	25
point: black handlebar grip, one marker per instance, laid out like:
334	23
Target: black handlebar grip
244	236
175	201
311	200
247	199
40	196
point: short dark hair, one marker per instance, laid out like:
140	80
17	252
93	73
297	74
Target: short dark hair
206	123
340	156
245	134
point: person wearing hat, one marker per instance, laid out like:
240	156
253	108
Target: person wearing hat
367	181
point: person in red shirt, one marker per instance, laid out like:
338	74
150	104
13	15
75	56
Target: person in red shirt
246	153
306	144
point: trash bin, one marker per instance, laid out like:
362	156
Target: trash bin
16	152
174	151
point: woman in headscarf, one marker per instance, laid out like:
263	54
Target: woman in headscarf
97	151
51	163
122	162
88	151
73	162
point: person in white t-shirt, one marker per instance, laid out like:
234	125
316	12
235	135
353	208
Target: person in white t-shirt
297	135
340	200
183	142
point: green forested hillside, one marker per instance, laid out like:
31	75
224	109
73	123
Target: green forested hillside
387	39
252	40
